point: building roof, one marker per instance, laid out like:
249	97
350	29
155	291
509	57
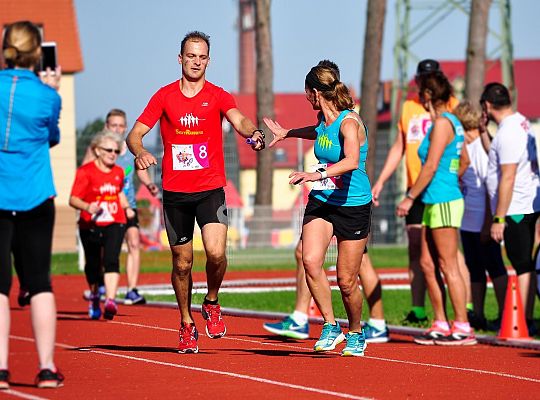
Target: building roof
59	22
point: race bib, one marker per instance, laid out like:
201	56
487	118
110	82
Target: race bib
330	183
106	212
417	129
188	157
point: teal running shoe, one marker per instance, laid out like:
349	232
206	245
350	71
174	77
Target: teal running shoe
288	328
374	335
331	336
356	344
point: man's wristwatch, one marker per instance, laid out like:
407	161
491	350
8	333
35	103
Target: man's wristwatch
499	220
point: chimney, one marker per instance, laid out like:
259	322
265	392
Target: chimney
246	46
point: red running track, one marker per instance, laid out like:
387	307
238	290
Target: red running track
134	357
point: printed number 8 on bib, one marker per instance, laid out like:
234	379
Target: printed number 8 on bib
188	157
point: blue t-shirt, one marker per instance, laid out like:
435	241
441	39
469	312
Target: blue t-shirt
127	162
444	186
355	189
29	112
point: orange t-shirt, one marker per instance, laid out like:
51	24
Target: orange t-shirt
413	125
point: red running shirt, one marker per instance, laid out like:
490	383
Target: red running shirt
192	136
95	186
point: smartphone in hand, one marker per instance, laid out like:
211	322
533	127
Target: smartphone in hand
48	56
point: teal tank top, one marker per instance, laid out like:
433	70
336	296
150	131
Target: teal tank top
444	186
355	189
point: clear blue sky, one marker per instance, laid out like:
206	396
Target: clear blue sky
130	47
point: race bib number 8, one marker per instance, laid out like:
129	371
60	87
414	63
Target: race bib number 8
331	183
190	156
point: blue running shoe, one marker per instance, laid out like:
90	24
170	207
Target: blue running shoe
331	336
374	335
94	308
288	328
356	344
133	297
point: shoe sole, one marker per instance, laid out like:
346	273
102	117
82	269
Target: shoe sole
134	303
49	384
336	341
4	386
467	342
425	342
289	334
189	351
378	340
217	336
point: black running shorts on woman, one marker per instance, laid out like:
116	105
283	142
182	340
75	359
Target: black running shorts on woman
349	222
182	209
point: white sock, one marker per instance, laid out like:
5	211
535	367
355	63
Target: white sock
299	317
379	324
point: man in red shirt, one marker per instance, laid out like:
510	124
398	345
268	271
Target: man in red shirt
190	112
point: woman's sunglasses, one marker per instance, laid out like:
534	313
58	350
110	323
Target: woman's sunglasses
108	150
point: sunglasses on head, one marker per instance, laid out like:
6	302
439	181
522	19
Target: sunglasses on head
109	150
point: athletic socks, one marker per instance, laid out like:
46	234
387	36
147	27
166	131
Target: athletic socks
299	317
442	325
420	312
462	326
379	324
213	302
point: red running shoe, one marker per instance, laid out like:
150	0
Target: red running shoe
110	309
215	327
188	336
49	379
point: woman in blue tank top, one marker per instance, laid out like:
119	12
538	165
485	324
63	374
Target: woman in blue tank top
339	203
438	185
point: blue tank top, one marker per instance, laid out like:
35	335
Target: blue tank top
355	188
126	161
444	186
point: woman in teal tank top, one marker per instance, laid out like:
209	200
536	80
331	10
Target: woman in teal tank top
339	203
438	185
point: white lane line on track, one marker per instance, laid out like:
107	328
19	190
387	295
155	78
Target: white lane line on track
449	367
22	395
206	370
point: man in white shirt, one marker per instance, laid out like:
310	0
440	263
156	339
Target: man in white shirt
513	188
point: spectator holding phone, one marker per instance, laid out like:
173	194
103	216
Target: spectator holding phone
29	113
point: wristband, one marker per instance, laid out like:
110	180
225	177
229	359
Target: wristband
410	196
258	130
499	220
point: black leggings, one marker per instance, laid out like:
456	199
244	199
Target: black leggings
519	241
101	247
480	257
27	235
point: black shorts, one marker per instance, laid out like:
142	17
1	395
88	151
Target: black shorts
133	222
519	241
349	222
182	209
414	217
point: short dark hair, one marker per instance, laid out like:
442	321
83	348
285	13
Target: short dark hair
497	95
116	112
195	36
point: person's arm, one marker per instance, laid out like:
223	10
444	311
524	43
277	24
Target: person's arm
395	154
145	179
143	158
440	137
79	204
124	203
353	135
504	197
246	128
464	161
280	133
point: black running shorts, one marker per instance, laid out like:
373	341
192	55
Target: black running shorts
349	222
182	209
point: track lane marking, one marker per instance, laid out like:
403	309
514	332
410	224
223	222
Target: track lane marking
205	370
22	395
449	367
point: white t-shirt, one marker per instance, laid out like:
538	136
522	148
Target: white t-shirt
474	187
515	143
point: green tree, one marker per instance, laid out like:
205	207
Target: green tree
85	135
